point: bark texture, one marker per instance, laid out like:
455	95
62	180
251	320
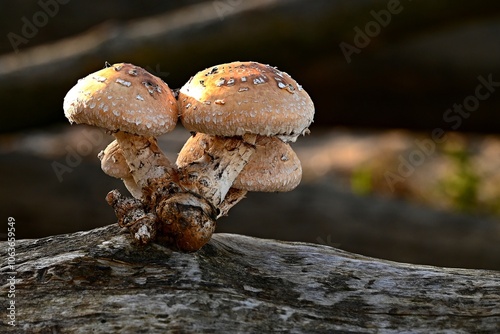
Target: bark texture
98	282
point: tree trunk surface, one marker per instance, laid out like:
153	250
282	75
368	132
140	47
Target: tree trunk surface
98	282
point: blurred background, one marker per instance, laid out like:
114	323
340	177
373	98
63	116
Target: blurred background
403	160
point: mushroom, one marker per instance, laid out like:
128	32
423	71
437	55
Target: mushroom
235	103
113	163
191	235
239	98
239	108
135	106
273	167
220	161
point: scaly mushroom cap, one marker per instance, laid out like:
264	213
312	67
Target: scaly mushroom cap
245	97
274	166
113	162
123	97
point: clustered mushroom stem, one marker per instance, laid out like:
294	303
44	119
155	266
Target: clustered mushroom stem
145	159
212	175
113	163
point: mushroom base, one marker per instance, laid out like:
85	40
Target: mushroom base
180	220
187	221
132	215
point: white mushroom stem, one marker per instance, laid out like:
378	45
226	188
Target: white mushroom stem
114	164
208	165
166	212
273	166
144	158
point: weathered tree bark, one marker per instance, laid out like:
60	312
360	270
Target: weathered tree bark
98	282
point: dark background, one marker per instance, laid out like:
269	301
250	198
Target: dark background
425	59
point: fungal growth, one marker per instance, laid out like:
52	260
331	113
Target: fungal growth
241	98
109	99
260	102
242	116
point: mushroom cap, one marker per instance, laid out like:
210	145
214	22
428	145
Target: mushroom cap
123	97
273	166
237	98
113	162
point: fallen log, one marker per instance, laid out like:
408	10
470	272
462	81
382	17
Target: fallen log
97	281
298	36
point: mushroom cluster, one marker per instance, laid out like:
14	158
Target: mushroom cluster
242	116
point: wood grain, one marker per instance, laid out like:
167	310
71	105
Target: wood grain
97	281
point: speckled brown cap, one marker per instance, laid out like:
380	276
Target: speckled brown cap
245	97
123	97
273	167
